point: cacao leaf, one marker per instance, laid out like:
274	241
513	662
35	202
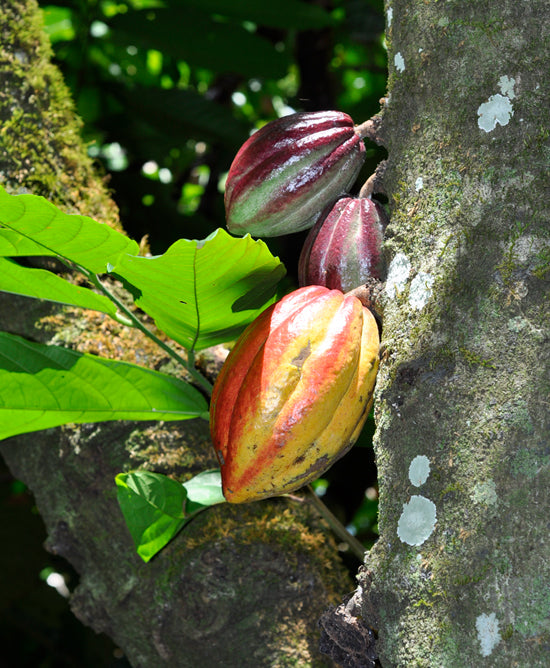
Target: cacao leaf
50	232
45	386
43	284
152	505
201	293
156	507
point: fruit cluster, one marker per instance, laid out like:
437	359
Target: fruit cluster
295	391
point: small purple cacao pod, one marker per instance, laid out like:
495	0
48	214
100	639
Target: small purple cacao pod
285	174
344	248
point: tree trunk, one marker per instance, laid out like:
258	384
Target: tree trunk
460	575
239	586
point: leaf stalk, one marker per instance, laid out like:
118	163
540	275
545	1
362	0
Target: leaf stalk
188	364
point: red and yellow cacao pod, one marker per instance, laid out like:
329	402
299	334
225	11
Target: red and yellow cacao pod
344	248
286	173
294	393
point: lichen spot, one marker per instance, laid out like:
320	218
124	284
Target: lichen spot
417	520
485	493
399	62
506	85
419	470
398	273
419	184
421	290
488	633
389	15
497	109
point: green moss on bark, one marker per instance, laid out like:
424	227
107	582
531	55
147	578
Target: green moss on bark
40	146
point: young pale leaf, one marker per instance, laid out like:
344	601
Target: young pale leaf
156	507
42	284
46	386
152	505
204	292
205	489
49	231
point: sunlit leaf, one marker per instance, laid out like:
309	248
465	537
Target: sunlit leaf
204	292
77	238
45	386
205	489
58	23
42	284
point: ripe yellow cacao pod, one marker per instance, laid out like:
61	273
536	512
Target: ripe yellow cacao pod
294	393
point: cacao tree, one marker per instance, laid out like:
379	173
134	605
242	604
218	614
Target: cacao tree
459	575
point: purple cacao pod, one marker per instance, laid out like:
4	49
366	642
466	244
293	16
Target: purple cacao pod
285	174
344	248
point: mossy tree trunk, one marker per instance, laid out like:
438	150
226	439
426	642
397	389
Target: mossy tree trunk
461	573
240	586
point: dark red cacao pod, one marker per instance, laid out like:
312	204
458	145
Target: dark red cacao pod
285	174
344	248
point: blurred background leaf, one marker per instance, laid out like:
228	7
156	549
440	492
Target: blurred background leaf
169	89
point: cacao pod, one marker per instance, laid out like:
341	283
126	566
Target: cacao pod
344	248
294	393
286	173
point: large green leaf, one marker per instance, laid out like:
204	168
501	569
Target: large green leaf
192	36
156	507
42	284
204	292
45	386
77	238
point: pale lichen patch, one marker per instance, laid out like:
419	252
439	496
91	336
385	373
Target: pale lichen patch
398	274
506	85
421	290
419	470
497	110
417	520
485	493
399	62
488	633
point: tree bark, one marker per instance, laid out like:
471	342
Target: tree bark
460	575
239	586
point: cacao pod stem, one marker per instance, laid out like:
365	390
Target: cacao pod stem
339	529
375	183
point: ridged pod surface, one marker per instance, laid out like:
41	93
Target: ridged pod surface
294	393
286	173
344	248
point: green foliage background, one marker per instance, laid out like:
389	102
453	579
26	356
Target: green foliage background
168	91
